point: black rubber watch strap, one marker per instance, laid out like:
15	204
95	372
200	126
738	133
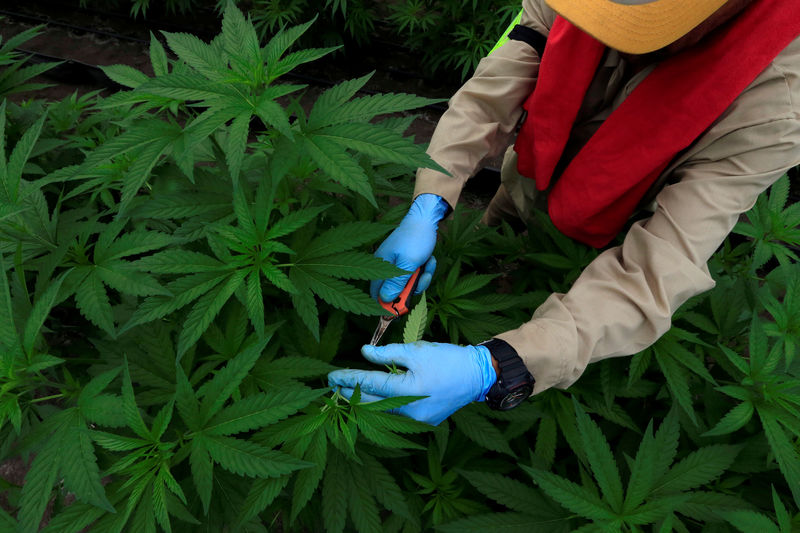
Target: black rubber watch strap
501	350
513	376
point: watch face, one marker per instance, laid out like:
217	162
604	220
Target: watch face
515	397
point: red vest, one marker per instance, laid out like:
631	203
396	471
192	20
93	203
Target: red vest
666	113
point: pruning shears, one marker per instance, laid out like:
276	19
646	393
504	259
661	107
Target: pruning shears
397	307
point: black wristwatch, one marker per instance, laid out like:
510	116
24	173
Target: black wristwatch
514	383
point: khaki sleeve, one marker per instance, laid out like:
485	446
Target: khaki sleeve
624	300
483	114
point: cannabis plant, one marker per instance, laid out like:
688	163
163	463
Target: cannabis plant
183	262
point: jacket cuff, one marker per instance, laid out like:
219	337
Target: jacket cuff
547	344
432	182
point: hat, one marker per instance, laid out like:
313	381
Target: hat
636	26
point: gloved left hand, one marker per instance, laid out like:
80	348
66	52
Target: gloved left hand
451	376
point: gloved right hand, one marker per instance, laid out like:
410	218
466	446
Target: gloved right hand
410	246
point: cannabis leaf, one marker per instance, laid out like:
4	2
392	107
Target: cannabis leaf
654	490
68	452
773	226
416	322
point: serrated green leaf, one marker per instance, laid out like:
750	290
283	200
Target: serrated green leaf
329	102
704	506
363	509
336	163
698	468
383	485
735	419
388	403
178	261
785	453
335	488
79	464
73	519
184	291
38	486
379	143
116	443
186	401
134	138
262	493
105	410
142	168
255	302
206	309
365	108
260	410
304	303
93	303
124	278
643	473
416	322
293	367
161	420
307	480
513	494
294	221
19	158
198	55
784	519
202	471
41	309
133	243
276	276
217	391
338	293
132	415
749	521
249	459
352	265
604	467
344	237
239	36
236	144
546	441
377	434
504	523
272	114
571	496
655	510
481	431
158	57
678	384
125	75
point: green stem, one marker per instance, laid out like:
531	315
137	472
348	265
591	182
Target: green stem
45	398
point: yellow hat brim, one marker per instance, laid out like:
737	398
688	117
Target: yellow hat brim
636	29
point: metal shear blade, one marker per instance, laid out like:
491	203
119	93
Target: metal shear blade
381	329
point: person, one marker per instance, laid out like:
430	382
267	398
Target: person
688	107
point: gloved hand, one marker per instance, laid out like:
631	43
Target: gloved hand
410	246
451	376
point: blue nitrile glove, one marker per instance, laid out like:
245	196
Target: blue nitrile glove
451	376
410	246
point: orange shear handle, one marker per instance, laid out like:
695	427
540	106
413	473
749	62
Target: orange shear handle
399	306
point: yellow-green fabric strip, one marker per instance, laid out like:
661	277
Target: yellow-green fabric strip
504	39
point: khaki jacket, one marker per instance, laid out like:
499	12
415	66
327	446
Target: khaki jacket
624	300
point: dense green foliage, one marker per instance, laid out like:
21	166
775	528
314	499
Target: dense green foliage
182	263
449	36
